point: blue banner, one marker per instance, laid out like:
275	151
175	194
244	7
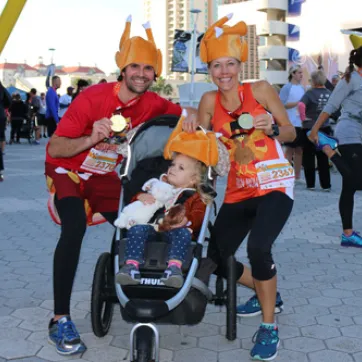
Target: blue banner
295	7
293	32
294	56
181	51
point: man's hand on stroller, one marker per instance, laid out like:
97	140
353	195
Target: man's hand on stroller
146	199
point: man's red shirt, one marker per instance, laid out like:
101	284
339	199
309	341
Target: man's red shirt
99	101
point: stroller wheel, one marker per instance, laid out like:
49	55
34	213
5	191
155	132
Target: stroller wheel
101	305
231	300
144	345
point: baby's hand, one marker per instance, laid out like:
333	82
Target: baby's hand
182	224
146	199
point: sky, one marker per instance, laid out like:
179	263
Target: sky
81	31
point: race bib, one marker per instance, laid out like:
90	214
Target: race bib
100	162
274	174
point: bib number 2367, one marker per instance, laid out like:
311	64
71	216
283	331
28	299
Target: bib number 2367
273	174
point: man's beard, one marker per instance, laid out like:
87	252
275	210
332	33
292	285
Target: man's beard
135	90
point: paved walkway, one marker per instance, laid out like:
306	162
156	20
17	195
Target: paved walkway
320	283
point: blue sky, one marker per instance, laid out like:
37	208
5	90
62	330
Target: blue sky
81	31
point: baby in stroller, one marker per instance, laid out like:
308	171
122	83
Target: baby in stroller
188	175
154	299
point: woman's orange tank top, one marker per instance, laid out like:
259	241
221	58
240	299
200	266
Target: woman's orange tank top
258	164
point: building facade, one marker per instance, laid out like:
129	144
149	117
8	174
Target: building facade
166	16
25	77
10	72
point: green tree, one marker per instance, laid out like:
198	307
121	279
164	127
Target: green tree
161	87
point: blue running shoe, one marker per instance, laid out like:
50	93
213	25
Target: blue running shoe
324	140
252	307
266	345
65	337
354	240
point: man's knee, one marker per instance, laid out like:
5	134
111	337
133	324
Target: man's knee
262	263
72	216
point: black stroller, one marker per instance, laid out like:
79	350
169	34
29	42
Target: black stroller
27	130
152	302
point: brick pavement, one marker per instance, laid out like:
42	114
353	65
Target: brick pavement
319	282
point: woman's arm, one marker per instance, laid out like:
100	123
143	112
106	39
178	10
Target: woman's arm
204	114
267	96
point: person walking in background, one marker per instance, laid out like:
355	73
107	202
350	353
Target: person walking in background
335	79
81	85
290	95
5	101
41	115
33	114
64	102
348	160
52	105
310	106
18	113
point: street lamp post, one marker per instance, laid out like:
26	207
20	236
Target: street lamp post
52	50
194	34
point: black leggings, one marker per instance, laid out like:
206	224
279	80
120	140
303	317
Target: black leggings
66	256
349	164
16	128
265	218
309	155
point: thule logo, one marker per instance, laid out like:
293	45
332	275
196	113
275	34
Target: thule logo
151	281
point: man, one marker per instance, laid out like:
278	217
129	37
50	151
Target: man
41	115
64	102
34	113
81	85
335	79
52	105
77	147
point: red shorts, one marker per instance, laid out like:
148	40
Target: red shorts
100	192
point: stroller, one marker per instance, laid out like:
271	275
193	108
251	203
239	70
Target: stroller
27	130
151	301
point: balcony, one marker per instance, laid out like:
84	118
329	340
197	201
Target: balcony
272	52
272	27
264	5
274	76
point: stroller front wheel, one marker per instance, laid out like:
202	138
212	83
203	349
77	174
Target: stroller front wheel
101	304
144	344
231	299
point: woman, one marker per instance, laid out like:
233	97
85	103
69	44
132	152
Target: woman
18	112
254	201
348	94
310	106
290	95
5	101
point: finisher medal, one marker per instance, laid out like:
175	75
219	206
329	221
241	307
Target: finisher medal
246	121
119	123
